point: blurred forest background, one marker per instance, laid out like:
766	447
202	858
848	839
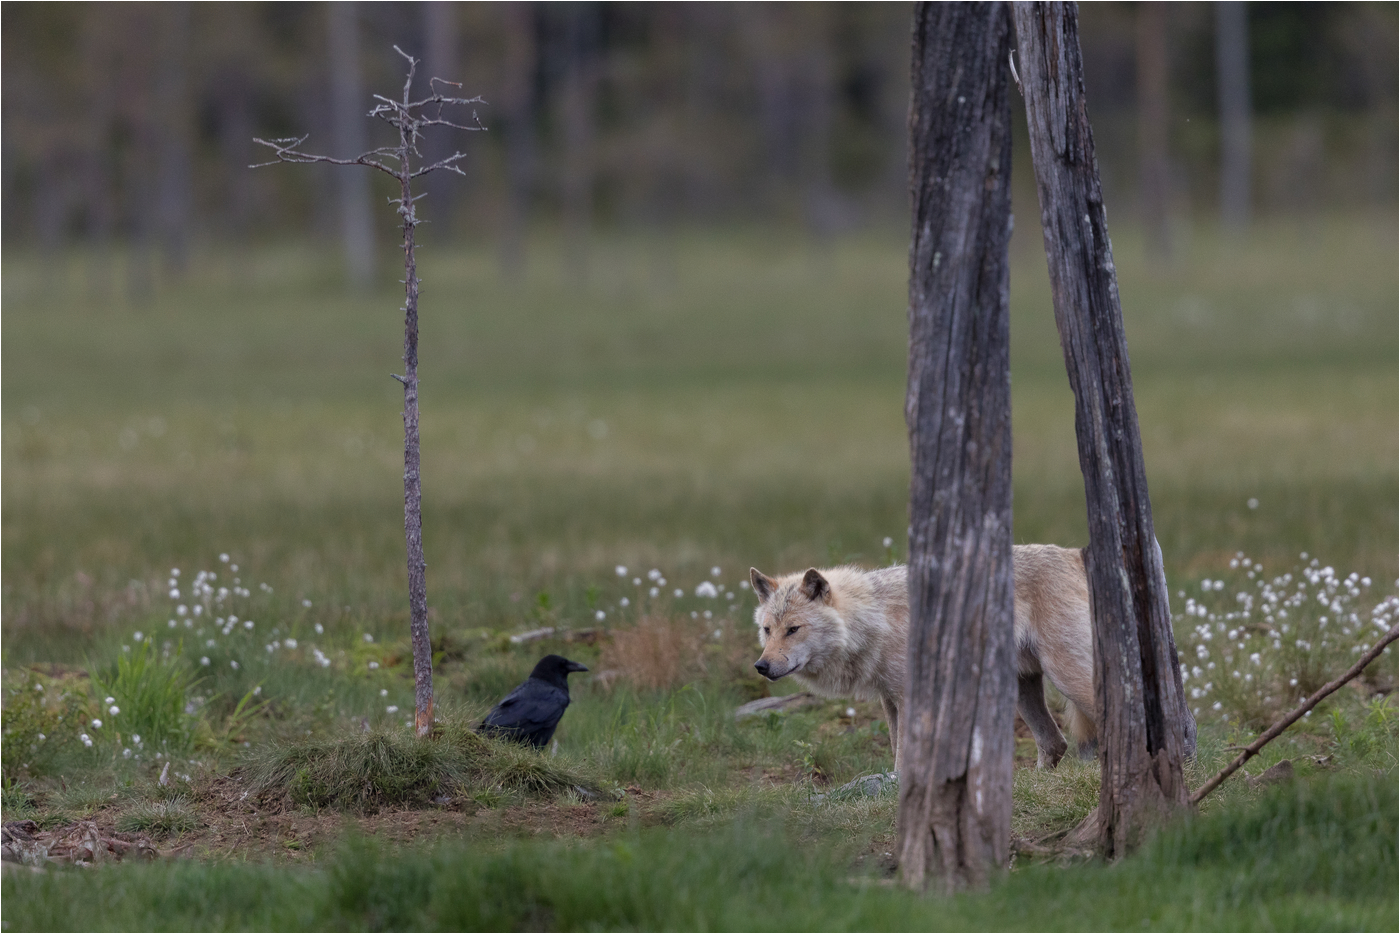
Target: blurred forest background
128	128
681	238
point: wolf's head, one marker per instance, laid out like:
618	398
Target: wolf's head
793	618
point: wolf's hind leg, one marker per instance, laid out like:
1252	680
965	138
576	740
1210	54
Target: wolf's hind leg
1030	703
892	719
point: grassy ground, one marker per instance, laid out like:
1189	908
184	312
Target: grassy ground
712	401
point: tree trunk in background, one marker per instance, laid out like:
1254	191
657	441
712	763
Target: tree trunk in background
956	728
579	101
1145	730
1232	80
517	105
348	108
235	134
1154	165
97	182
821	204
175	123
440	60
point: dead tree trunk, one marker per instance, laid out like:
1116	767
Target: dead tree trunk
404	162
1145	730
956	736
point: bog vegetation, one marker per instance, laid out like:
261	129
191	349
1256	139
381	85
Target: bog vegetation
205	644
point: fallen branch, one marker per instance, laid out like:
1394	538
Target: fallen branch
774	704
1295	715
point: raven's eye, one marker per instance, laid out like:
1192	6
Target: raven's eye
792	629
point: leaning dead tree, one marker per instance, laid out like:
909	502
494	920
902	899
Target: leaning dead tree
956	739
404	162
1145	728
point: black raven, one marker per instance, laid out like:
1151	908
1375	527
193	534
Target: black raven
530	713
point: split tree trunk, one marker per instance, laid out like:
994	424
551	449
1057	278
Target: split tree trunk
956	731
1145	730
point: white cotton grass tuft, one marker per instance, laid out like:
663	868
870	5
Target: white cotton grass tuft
1279	636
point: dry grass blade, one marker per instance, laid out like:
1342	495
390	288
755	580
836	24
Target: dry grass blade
657	653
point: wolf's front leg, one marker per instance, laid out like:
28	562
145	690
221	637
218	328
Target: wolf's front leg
892	718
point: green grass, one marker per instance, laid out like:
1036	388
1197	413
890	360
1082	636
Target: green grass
1315	855
747	410
734	402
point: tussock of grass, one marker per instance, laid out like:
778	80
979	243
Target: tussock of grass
392	768
160	818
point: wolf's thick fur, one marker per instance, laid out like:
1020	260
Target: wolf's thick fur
843	632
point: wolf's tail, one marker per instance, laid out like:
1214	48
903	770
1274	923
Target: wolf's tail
1081	725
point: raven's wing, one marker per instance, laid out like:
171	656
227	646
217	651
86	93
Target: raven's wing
533	706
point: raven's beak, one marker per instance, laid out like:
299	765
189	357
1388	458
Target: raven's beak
575	666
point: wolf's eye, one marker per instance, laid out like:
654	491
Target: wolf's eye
792	629
765	630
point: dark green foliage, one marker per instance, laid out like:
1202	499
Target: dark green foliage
43	719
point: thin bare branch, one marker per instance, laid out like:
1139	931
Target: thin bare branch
449	164
1295	715
286	151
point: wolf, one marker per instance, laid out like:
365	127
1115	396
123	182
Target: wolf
843	631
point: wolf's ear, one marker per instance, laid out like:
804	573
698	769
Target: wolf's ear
815	586
763	585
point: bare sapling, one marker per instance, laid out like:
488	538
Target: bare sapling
404	162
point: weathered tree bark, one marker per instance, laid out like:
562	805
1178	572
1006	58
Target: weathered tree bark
956	736
1145	730
1154	166
347	123
1232	83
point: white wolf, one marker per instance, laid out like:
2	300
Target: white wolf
843	632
